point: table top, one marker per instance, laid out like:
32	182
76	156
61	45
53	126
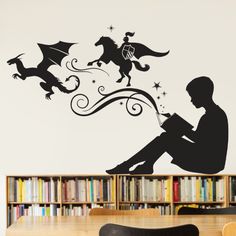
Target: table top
90	225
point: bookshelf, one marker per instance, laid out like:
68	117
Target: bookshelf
232	190
75	195
58	195
169	193
145	191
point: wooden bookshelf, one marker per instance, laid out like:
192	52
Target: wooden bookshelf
125	192
144	191
221	198
58	195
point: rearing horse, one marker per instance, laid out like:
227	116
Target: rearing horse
115	54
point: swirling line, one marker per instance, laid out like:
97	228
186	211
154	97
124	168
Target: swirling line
136	91
86	70
106	104
101	103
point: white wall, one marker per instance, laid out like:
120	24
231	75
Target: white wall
42	137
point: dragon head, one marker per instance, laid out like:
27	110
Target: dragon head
15	59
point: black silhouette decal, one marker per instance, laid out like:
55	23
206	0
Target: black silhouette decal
111	28
157	85
206	153
80	102
122	56
52	55
70	65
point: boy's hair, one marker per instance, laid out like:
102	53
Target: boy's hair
201	85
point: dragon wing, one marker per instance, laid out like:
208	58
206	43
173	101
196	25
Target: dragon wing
53	54
141	50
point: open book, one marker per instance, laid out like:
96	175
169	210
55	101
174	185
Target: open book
175	124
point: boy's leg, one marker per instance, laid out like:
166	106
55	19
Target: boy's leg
150	153
162	143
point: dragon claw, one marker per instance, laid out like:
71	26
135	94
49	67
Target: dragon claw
47	97
15	76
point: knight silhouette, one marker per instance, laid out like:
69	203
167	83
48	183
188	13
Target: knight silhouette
125	56
205	153
127	50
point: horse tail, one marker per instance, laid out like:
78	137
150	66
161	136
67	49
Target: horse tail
139	67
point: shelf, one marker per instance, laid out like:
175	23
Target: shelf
117	199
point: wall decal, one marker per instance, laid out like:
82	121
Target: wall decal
205	153
80	102
52	55
206	147
111	28
122	56
70	65
157	85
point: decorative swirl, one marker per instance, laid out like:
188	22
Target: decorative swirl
101	89
86	70
136	107
86	100
134	110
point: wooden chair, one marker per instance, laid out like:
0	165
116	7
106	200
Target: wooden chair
120	230
229	229
142	212
211	211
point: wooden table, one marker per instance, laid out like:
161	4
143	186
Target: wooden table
209	225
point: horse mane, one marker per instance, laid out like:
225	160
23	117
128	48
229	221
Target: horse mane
110	41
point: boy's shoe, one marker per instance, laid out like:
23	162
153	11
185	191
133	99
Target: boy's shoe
123	168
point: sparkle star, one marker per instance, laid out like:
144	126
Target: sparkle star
157	85
164	93
111	28
94	81
158	97
121	103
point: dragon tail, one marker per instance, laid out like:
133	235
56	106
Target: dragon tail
139	67
63	89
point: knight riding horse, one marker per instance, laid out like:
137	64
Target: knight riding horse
122	56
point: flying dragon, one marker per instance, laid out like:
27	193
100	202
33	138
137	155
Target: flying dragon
52	55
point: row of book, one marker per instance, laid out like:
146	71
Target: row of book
164	209
33	189
82	210
144	189
88	190
198	189
14	212
232	188
48	190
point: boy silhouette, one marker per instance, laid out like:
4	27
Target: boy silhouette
207	151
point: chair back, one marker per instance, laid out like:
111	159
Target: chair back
141	212
229	229
120	230
211	211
